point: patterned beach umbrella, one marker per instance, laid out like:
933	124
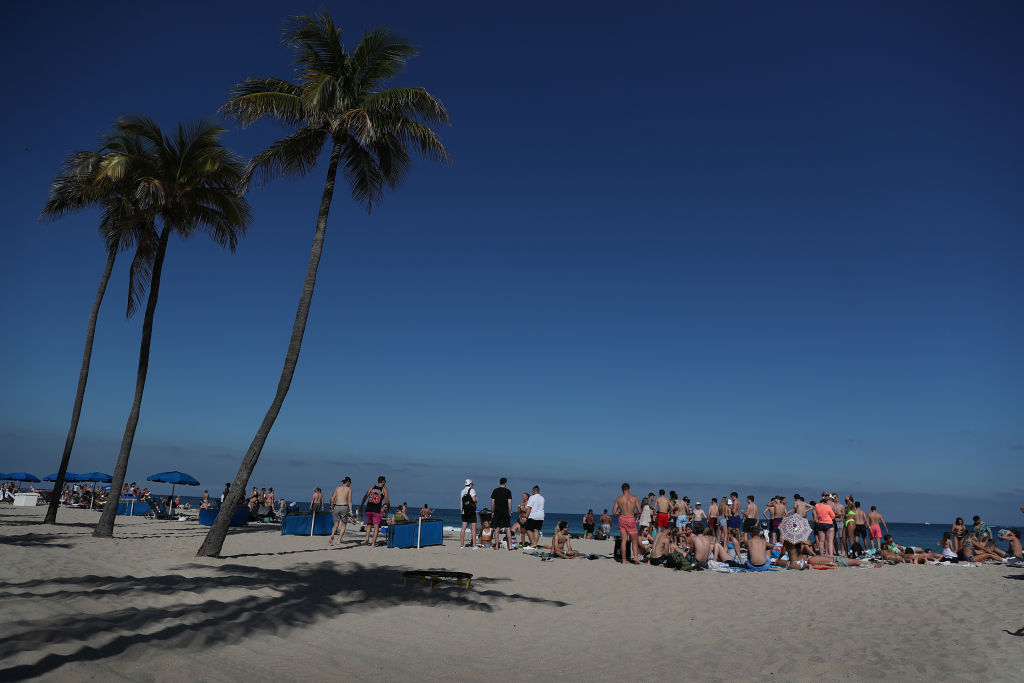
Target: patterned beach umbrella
794	529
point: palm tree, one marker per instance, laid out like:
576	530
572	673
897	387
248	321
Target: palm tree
339	102
75	188
181	183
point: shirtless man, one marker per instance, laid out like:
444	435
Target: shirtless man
757	554
699	518
875	523
662	505
425	512
626	507
750	517
713	514
663	548
606	523
588	524
700	546
1013	538
341	506
317	503
560	546
860	525
800	506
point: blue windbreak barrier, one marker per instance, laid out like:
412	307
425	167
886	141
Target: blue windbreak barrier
133	507
240	518
403	535
299	525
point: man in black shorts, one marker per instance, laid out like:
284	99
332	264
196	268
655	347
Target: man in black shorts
467	501
750	518
501	509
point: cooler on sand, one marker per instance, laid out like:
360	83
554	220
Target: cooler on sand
421	532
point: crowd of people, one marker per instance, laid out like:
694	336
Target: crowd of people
667	530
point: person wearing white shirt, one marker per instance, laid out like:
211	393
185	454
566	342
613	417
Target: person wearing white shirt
534	516
467	502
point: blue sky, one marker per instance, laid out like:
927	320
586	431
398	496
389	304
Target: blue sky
729	248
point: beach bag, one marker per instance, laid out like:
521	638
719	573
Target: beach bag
682	562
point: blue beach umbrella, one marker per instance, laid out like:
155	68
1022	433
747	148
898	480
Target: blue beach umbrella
174	478
96	476
68	476
21	476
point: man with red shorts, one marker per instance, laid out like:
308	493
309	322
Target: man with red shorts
626	507
662	505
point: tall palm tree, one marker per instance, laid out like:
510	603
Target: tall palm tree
77	187
182	183
339	102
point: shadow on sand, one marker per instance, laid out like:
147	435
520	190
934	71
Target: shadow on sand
301	596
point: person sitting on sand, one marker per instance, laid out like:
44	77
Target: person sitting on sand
663	549
757	555
560	545
646	542
486	534
946	546
1012	537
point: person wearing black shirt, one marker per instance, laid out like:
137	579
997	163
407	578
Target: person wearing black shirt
501	509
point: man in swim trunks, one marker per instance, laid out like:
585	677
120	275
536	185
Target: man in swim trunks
750	517
626	507
757	554
341	506
606	523
734	523
588	524
875	523
699	517
860	525
662	505
373	502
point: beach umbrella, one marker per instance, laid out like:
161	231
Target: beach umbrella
95	476
174	478
22	476
68	476
794	529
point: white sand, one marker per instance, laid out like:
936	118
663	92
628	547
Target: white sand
141	607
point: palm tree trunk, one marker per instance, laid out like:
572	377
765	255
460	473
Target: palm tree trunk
105	527
83	378
214	540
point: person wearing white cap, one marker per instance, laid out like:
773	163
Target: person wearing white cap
699	517
468	505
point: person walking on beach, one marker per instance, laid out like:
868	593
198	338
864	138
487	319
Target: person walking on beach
534	516
341	506
875	523
374	500
467	502
626	507
501	513
316	504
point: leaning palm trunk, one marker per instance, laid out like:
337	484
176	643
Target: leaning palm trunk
83	378
214	540
105	527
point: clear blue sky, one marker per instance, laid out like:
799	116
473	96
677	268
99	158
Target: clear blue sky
707	248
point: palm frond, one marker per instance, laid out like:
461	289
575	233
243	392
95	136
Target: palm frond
295	155
256	98
362	171
316	41
411	102
380	55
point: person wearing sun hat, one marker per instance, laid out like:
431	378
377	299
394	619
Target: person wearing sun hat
467	502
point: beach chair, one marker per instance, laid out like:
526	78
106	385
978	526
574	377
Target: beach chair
157	509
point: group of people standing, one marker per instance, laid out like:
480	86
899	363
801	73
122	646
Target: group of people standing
528	516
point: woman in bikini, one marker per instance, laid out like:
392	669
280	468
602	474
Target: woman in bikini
959	530
522	519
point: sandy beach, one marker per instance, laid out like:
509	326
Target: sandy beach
141	607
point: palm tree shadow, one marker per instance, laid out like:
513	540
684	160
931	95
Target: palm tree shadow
301	596
34	540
